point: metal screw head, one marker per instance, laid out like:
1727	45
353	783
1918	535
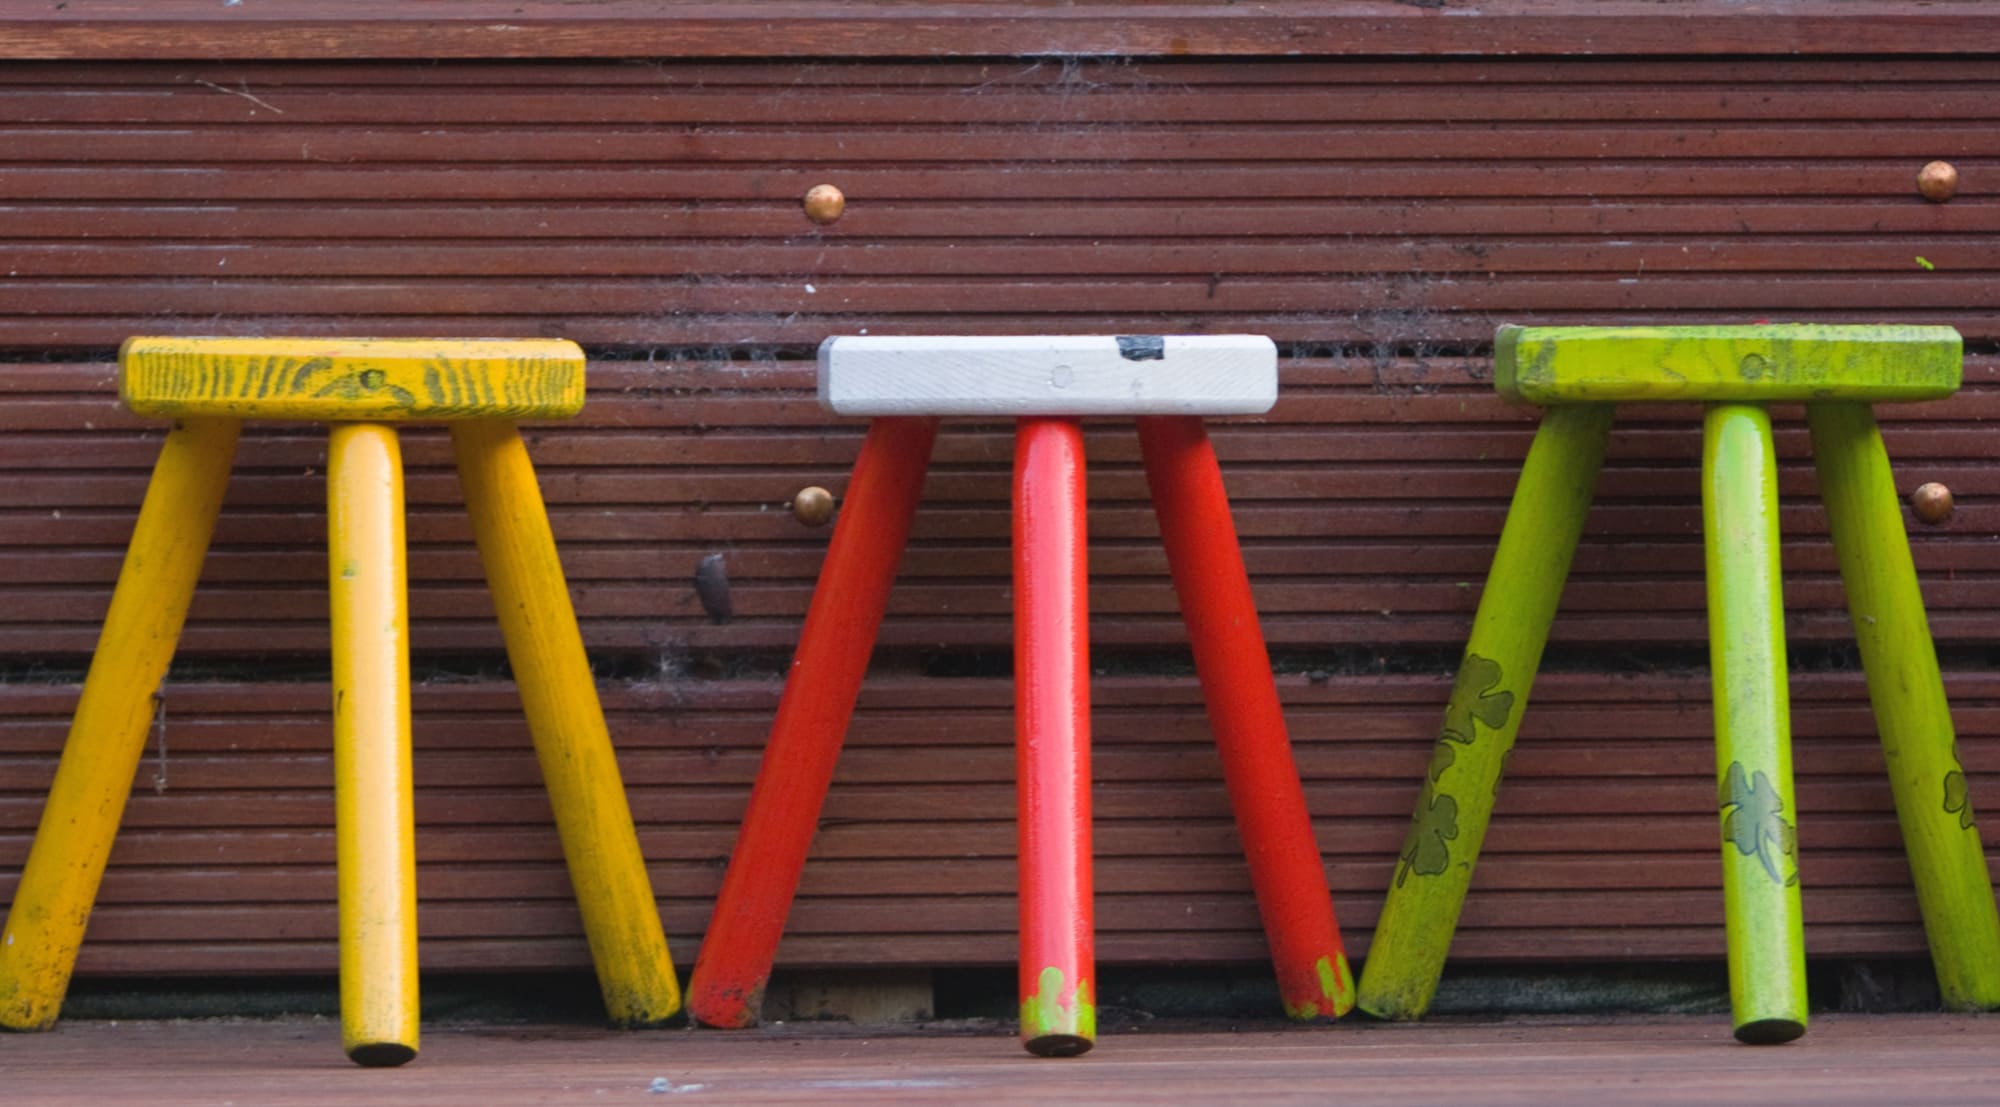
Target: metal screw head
1932	503
1938	181
813	506
824	203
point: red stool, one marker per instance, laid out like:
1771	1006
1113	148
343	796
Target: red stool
1046	383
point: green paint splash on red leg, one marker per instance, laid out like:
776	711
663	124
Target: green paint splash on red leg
1058	1021
1336	991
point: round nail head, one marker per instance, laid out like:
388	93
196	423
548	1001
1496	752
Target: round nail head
813	506
824	203
1938	181
1932	502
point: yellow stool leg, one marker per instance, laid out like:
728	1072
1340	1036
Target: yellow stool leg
1949	865
108	736
373	812
620	917
1753	725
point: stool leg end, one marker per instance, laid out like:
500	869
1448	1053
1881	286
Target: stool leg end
28	1013
725	1005
1330	996
632	1002
1058	1020
381	1055
1770	1031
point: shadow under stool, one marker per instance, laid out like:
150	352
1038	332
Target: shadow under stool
1045	384
363	387
1578	373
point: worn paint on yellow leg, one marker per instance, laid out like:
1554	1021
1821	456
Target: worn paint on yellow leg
1488	700
108	736
1753	729
1058	1021
1336	986
371	745
620	917
1919	746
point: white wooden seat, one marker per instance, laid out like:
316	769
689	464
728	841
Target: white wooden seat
1023	376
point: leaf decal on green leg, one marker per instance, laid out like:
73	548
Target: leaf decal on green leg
1473	698
1753	821
1443	756
1426	852
1958	798
1474	703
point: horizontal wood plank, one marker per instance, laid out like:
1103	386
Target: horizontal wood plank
632	28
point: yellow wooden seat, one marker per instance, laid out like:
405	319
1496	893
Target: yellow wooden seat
330	379
210	385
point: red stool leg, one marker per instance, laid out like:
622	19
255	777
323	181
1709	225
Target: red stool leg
1052	738
1243	711
847	604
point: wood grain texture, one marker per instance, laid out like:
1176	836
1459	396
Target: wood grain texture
633	28
1368	202
369	378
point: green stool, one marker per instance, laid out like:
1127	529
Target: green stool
1579	373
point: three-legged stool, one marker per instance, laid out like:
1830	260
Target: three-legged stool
1046	383
209	386
1837	371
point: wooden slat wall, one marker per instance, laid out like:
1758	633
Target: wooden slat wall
309	29
1603	847
1377	217
647	205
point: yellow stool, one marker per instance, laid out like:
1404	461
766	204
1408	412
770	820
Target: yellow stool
362	386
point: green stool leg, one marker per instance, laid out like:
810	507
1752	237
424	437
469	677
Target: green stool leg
1910	710
1753	756
1543	524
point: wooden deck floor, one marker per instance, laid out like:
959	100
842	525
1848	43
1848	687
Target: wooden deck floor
1846	1059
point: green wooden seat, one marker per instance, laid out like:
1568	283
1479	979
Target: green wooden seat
1763	364
1580	372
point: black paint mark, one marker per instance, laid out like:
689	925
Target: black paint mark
711	585
1142	347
